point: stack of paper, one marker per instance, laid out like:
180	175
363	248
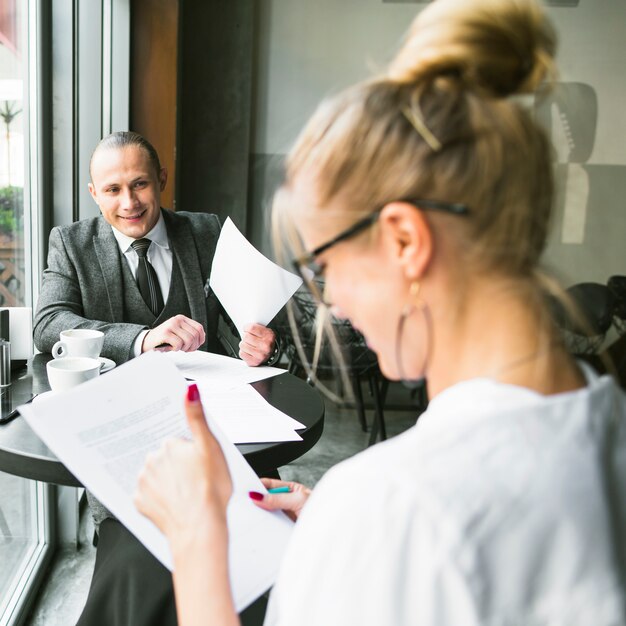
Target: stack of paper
246	417
219	372
243	415
131	411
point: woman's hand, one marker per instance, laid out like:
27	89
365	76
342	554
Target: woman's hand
186	484
291	503
184	489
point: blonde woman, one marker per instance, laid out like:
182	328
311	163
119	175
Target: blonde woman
422	199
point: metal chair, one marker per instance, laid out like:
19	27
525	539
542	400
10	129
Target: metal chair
359	362
595	304
617	286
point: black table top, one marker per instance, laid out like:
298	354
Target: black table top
22	452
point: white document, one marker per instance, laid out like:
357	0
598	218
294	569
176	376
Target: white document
244	416
217	371
250	287
102	431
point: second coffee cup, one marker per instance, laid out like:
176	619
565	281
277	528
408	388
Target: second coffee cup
83	342
63	374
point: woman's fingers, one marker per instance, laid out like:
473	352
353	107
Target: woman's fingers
185	481
291	503
207	446
196	419
159	482
272	483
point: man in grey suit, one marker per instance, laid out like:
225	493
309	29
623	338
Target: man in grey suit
139	274
93	275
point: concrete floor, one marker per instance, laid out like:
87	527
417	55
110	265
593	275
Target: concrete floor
63	594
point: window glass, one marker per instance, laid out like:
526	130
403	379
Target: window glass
18	535
23	505
13	117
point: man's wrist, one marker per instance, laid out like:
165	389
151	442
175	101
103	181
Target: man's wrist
138	345
274	357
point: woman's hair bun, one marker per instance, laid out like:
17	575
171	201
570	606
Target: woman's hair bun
502	47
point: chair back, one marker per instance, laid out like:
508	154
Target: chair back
356	356
595	304
617	286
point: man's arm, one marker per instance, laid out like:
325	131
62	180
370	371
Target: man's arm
60	307
259	346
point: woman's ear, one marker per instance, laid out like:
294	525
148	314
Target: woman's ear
409	237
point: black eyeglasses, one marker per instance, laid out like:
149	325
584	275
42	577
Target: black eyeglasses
311	271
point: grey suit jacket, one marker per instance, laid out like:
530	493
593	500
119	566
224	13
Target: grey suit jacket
82	286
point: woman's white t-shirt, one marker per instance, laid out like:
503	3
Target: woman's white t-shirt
500	507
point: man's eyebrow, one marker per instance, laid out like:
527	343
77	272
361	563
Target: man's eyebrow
110	183
113	182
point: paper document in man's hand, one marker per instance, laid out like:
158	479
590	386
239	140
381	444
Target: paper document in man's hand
102	431
251	288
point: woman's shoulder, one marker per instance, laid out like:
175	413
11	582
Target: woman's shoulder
487	446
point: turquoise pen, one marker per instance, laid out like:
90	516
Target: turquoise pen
285	489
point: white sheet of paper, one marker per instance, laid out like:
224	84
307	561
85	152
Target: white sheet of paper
217	371
102	431
244	416
251	288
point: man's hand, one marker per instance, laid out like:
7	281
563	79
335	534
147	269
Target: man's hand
177	333
257	344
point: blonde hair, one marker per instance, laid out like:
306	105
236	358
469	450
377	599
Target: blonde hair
459	63
441	124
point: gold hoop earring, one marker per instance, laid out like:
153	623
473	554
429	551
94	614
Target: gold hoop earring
409	309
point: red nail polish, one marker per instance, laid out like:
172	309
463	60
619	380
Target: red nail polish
255	495
193	395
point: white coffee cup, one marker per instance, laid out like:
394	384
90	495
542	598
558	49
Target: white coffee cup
63	374
78	342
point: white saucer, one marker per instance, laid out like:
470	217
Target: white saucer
107	364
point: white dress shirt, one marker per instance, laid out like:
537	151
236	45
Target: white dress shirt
500	507
160	257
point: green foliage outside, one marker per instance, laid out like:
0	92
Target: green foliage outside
11	210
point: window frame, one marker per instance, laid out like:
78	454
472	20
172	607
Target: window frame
35	564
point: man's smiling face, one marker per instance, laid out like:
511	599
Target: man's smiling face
127	189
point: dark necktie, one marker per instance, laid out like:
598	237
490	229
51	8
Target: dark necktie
147	280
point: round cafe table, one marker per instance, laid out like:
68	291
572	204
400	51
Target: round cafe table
22	453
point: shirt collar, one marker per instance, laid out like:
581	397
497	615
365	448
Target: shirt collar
157	235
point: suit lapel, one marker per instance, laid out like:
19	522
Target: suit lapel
182	242
110	260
